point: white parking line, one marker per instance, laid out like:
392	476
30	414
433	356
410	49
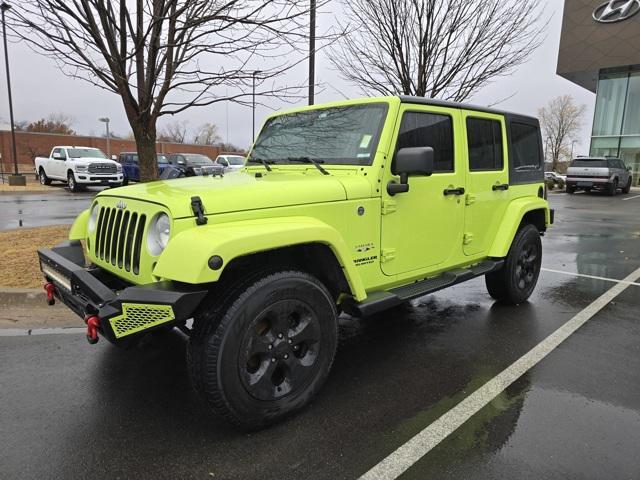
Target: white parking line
573	274
404	457
631	198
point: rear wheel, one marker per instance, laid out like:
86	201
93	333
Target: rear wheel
515	281
42	176
571	190
613	188
627	187
268	351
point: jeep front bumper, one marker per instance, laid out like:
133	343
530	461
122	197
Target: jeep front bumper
124	310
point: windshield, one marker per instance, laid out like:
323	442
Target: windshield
234	159
85	153
337	135
197	159
590	162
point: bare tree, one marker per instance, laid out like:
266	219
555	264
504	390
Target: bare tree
54	123
561	120
165	56
208	134
175	132
447	49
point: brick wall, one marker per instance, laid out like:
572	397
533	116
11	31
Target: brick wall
30	145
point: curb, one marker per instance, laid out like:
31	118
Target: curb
22	297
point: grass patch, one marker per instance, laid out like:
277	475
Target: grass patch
20	267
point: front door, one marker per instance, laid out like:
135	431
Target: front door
487	180
58	165
422	228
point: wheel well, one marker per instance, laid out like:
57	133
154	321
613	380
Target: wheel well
315	258
536	218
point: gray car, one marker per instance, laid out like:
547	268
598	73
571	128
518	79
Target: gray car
598	173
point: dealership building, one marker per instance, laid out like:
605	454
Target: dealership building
600	51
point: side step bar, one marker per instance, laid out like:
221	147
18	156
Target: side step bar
378	301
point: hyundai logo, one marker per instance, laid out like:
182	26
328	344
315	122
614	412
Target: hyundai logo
616	11
121	205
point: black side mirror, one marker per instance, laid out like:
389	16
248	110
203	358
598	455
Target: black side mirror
410	161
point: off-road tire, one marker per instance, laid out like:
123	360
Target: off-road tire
253	390
515	281
72	183
42	176
613	188
627	187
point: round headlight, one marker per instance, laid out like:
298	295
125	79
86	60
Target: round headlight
93	218
158	235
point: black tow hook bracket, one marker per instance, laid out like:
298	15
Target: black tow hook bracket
198	211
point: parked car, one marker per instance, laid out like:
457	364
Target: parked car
131	165
263	260
194	164
598	173
230	162
554	180
79	167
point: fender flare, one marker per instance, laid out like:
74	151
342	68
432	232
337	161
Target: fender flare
511	220
78	230
186	257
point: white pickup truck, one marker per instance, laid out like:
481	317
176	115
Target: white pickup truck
79	167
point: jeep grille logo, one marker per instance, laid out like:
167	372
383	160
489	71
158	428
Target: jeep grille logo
121	205
616	11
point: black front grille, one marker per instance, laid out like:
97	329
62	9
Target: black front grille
102	168
119	238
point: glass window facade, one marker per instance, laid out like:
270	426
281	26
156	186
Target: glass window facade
616	123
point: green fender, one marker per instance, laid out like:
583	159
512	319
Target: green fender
516	210
186	257
79	228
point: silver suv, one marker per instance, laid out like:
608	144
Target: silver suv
602	173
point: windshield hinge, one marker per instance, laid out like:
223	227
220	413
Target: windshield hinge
388	206
198	211
387	254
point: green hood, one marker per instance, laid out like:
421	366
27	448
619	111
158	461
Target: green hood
239	191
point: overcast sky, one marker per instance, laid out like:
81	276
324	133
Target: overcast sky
39	89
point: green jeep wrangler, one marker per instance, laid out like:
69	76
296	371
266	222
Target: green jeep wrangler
354	206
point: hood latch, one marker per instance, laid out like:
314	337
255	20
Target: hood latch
198	211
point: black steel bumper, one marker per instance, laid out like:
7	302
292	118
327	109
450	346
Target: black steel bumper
94	291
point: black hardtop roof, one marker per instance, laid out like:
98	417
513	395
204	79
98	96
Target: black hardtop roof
465	106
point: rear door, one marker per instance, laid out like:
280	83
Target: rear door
487	179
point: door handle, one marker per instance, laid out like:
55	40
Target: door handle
453	191
503	187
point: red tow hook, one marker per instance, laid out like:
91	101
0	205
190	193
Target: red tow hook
93	322
50	288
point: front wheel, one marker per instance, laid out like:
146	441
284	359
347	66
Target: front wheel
71	182
515	281
267	352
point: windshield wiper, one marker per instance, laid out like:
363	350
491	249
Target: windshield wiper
315	162
264	162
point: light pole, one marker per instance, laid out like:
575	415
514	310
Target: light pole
16	178
312	51
256	72
106	121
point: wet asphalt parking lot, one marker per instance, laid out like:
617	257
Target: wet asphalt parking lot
59	206
71	410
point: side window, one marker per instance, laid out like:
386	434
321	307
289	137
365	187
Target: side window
525	147
60	151
429	130
484	138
